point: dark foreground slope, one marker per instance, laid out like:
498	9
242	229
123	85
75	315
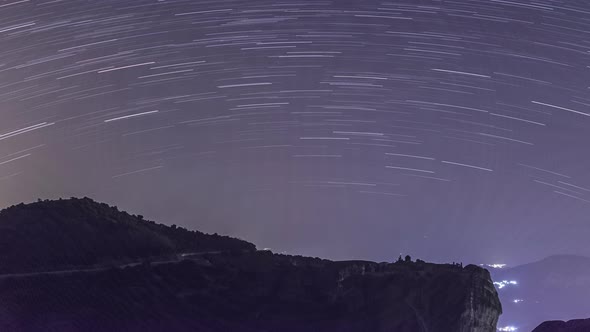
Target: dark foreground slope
253	291
80	232
576	325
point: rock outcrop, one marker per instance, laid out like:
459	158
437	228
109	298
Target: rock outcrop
252	291
576	325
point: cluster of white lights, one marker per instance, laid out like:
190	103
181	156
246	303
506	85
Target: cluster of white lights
496	266
517	300
507	328
504	283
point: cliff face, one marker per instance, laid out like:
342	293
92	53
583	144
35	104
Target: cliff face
576	325
422	297
483	306
223	285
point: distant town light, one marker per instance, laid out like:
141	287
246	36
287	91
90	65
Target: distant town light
507	328
504	283
496	266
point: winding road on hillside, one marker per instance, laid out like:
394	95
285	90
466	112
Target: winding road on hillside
178	258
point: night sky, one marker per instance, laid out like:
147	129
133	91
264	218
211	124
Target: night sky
449	130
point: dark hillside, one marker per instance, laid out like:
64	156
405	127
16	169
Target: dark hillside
53	235
576	325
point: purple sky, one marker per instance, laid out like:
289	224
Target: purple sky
450	130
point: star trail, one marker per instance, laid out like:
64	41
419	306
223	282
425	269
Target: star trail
343	129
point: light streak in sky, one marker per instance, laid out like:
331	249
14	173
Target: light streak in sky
466	165
561	108
130	116
124	67
25	130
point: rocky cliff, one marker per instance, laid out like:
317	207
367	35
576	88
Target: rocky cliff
251	291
